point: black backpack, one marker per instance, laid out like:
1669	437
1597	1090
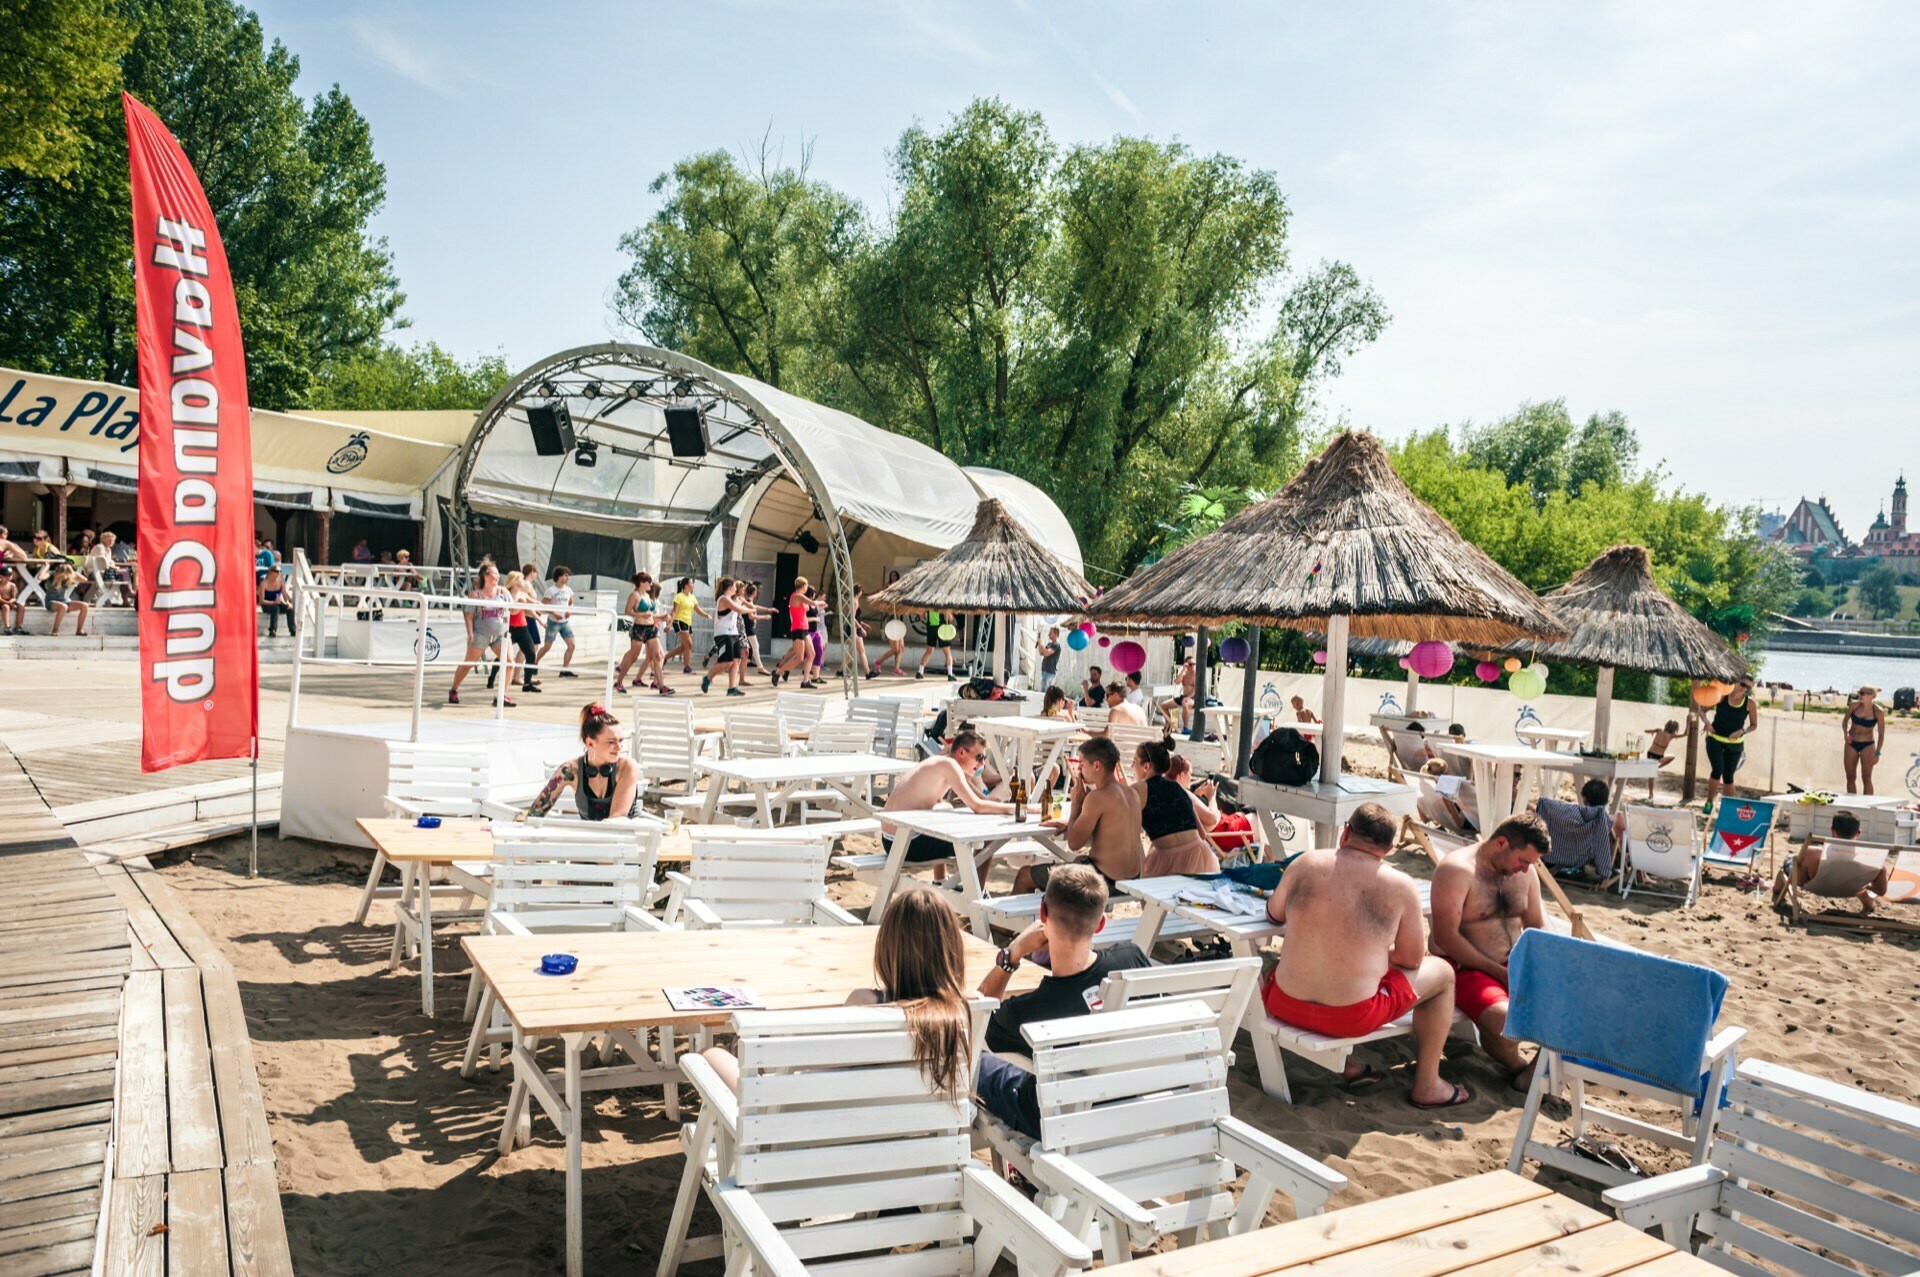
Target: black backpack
1285	757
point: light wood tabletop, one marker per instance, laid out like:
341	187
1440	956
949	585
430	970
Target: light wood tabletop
1487	1224
622	976
464	838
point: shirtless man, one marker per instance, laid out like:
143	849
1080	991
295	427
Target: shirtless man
1103	821
1122	710
1355	954
930	783
1484	896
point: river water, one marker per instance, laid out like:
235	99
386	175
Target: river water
1819	671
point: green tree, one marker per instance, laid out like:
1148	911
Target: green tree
1878	591
1811	601
1538	447
62	65
396	378
293	186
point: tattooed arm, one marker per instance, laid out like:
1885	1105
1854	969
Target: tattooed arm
556	785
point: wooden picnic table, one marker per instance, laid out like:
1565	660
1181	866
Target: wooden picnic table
1496	1223
975	836
619	989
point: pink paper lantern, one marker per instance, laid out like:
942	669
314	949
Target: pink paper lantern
1320	657
1487	672
1405	664
1430	659
1106	642
1128	657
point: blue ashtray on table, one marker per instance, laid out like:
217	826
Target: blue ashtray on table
428	822
558	964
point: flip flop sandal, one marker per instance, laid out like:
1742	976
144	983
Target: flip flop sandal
1366	1077
1605	1152
1461	1095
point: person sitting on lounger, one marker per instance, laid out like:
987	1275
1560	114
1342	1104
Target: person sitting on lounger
931	783
1846	828
1103	820
919	962
1484	896
605	782
1356	955
1073	911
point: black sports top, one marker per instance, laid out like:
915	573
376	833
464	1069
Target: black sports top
1167	809
593	806
1729	718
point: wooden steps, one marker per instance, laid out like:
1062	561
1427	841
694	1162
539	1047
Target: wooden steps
133	1136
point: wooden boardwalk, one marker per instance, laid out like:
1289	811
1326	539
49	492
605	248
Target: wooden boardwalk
126	1073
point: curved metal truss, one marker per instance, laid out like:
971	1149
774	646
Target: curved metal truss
599	379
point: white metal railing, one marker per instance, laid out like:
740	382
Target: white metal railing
312	592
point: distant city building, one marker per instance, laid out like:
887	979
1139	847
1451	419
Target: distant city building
1813	534
1889	540
1812	531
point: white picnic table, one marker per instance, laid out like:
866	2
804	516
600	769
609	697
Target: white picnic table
1245	935
1504	776
1326	806
1879	815
975	836
772	780
1562	739
1014	745
1615	771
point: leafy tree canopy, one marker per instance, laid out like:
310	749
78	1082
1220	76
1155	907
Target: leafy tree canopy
62	60
1878	591
1539	448
293	187
395	378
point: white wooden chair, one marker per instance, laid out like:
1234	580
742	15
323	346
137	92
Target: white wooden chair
834	738
1274	1039
891	724
1224	986
758	734
1805	1176
554	880
1664	844
1205	755
1847	869
841	1148
1136	1139
427	780
766	883
1092	717
665	745
802	711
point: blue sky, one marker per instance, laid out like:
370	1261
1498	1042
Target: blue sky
1703	215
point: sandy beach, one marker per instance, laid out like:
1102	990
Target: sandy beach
386	1156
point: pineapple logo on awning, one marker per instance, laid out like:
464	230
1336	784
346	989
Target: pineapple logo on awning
349	454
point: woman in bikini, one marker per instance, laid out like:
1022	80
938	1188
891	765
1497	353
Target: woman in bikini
640	620
1661	741
604	781
1866	733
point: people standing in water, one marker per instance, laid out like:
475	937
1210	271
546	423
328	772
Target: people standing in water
936	643
1866	735
686	606
1733	716
604	781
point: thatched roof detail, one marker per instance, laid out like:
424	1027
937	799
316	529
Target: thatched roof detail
1345	537
998	568
1618	615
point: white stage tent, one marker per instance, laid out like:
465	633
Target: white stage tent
780	486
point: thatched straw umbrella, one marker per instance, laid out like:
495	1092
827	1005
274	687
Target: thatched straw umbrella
1620	618
1345	548
999	570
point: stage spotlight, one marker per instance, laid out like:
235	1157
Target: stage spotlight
591	390
546	390
585	453
682	388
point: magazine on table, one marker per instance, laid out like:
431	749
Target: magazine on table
737	997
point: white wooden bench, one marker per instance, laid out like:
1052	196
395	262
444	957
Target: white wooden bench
1014	913
1274	1039
765	882
1804	1175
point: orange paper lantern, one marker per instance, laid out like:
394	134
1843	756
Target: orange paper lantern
1512	664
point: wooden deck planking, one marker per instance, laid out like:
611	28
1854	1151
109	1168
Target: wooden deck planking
82	770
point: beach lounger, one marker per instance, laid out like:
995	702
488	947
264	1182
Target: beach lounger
1741	827
841	1149
1805	1176
1663	843
1604	1015
1846	870
764	883
1137	1142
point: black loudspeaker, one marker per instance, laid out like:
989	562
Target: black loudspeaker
552	427
687	432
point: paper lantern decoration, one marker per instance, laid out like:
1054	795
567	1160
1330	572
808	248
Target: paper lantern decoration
1078	640
1320	657
1705	694
1128	657
1526	684
1404	663
1512	664
1430	659
1235	651
1087	628
896	629
946	633
1105	641
1539	669
1487	672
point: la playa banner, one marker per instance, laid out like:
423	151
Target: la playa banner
200	689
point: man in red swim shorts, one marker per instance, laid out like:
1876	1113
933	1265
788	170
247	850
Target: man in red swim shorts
1484	896
1355	954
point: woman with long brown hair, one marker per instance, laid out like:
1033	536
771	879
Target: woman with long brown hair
919	961
1169	816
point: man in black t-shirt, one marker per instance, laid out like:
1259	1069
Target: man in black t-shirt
1073	910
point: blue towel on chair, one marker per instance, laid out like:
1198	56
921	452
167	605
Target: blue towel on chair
1629	1012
